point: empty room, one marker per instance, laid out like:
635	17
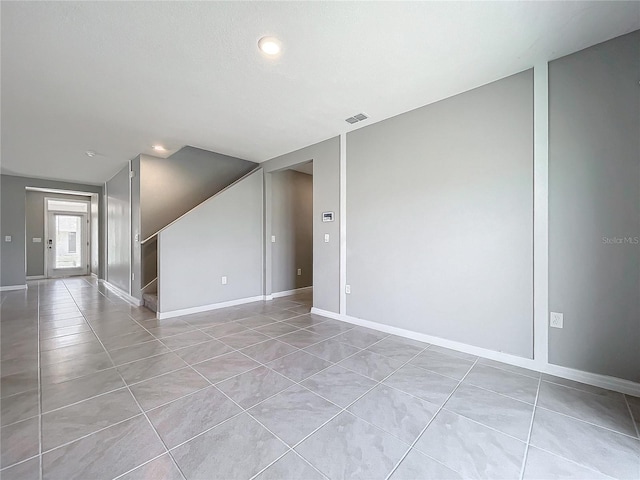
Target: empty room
320	240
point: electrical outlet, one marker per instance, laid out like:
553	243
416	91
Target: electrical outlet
326	238
556	320
299	271
347	289
273	239
7	238
224	280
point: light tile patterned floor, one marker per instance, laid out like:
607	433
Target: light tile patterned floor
93	388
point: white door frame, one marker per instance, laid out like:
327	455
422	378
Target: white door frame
86	233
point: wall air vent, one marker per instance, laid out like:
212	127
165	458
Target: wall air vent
357	118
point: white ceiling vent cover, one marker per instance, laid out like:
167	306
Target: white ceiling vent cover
357	118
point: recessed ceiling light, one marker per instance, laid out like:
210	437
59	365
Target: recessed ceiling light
270	46
159	148
90	153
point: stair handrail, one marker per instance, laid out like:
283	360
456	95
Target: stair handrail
150	237
156	278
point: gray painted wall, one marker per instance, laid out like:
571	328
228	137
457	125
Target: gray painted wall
326	197
223	236
171	186
12	215
594	195
439	218
119	230
292	224
34	204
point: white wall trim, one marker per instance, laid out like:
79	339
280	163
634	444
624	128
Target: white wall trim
603	381
343	223
122	294
206	308
36	277
286	293
541	214
8	288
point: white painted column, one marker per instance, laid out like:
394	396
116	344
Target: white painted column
343	223
541	214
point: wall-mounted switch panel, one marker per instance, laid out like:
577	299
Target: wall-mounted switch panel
299	271
326	238
556	320
7	238
273	239
347	289
224	280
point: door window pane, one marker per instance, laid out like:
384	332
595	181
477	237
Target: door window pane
68	239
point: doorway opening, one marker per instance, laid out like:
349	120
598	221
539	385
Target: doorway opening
61	233
291	232
67	233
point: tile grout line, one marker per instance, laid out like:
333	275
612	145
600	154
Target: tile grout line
412	445
141	465
243	410
590	423
137	403
41	466
344	409
574	462
633	419
141	409
528	442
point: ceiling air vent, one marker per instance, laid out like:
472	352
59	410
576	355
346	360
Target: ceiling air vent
356	118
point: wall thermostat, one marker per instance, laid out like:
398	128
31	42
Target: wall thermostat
327	216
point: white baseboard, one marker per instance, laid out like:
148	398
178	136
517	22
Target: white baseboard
94	276
595	379
286	293
36	277
206	308
122	294
8	288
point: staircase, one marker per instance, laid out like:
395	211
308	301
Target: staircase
169	188
150	300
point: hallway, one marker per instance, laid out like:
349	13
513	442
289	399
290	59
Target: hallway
93	388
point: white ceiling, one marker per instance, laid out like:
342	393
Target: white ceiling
117	77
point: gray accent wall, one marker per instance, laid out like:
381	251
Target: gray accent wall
119	230
13	222
35	212
326	197
222	237
440	218
292	224
594	208
171	186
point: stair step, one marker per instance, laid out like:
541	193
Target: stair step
151	301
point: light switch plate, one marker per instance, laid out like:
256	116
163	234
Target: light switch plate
7	238
273	239
299	271
224	280
556	320
347	289
326	238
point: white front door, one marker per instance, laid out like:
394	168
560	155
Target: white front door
67	244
